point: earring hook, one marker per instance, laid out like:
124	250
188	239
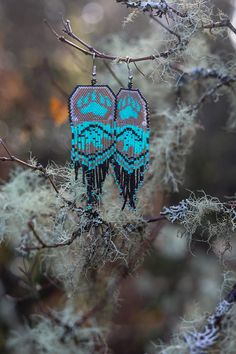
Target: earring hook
94	72
130	77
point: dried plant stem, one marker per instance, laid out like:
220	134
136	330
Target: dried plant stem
211	92
37	167
43	245
91	51
87	49
220	24
166	27
157	219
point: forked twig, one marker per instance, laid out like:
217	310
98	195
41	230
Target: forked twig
91	51
43	245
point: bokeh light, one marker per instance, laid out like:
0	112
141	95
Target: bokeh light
92	13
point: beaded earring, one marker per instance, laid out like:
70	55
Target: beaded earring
92	112
131	141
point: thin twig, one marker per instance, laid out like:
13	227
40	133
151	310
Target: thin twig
43	245
165	27
139	70
63	39
99	55
147	243
211	92
220	24
31	227
68	30
87	49
157	219
38	167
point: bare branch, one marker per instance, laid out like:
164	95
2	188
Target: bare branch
157	219
204	74
43	245
220	24
37	167
166	28
212	91
91	51
31	227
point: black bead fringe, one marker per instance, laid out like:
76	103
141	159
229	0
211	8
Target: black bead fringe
128	183
93	179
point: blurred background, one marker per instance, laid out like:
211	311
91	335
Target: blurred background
37	73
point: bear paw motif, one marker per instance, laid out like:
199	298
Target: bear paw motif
128	108
95	103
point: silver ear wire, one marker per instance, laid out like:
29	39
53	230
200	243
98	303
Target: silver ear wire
130	77
94	72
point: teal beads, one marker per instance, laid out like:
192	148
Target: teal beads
94	103
109	130
131	143
128	107
92	112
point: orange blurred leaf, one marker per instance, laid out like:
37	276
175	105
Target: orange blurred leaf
58	110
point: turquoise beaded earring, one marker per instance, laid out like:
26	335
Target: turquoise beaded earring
92	112
131	155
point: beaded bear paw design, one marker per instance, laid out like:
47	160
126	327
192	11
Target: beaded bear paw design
92	112
131	143
94	103
109	129
128	108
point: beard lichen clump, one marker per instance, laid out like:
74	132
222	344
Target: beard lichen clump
214	333
56	332
208	216
106	235
24	198
71	238
169	150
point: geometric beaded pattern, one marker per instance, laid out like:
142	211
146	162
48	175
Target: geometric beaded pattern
131	143
92	112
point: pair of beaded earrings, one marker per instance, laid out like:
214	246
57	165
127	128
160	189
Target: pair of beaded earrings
109	129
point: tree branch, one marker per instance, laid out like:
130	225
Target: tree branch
159	8
209	93
37	167
162	7
43	245
166	27
91	51
220	24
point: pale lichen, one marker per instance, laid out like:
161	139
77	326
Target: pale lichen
55	333
207	216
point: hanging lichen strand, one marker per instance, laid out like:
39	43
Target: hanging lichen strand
92	111
132	143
